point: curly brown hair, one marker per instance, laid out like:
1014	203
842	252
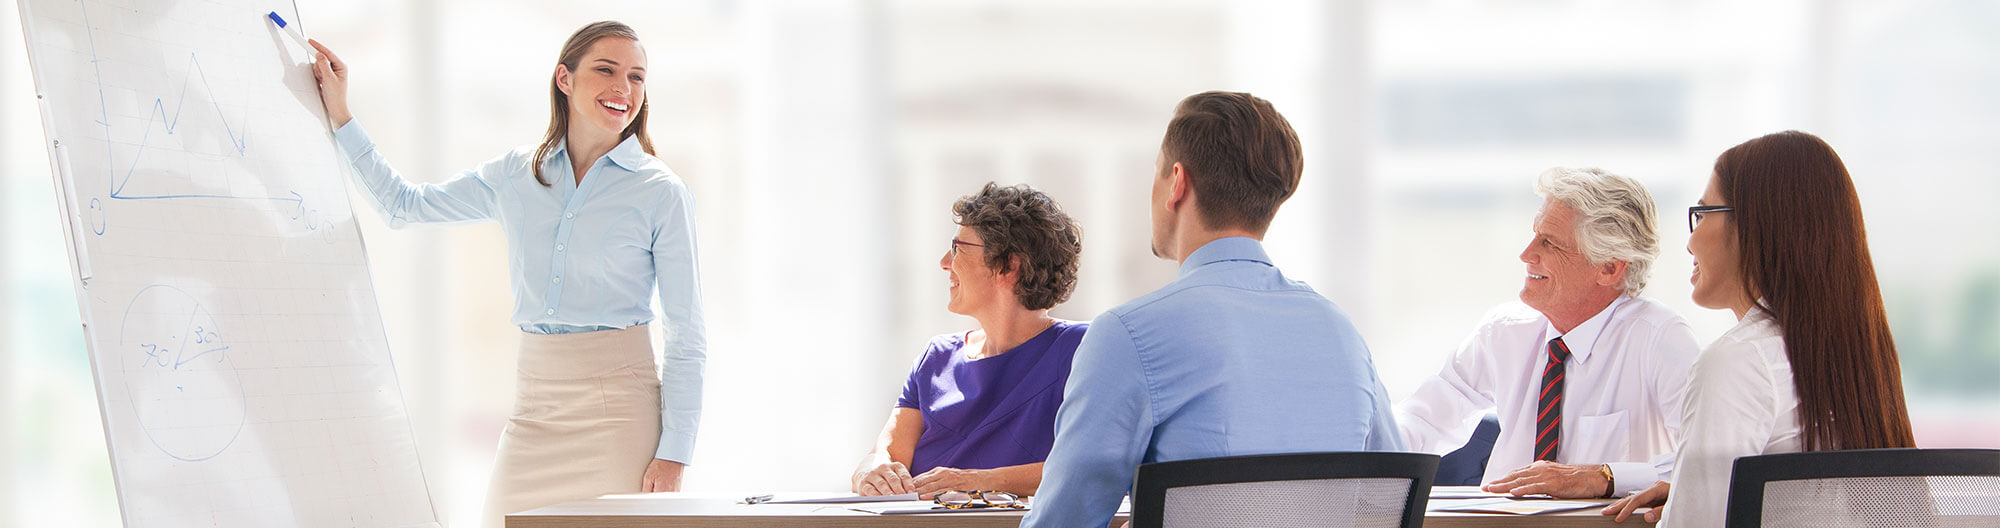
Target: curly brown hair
1019	221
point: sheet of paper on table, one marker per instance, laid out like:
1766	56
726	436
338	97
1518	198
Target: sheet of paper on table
1515	506
845	498
907	507
1462	492
900	508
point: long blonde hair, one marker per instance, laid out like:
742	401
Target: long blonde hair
572	57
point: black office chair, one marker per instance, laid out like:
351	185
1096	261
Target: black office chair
1467	465
1305	489
1867	487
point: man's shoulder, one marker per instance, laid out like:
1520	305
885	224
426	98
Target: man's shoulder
1164	298
1511	314
1648	327
1200	292
1648	308
1651	316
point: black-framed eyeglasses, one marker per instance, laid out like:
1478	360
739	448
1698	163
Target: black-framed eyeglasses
959	500
1694	213
955	243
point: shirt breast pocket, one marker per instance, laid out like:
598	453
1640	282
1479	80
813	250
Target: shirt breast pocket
1602	438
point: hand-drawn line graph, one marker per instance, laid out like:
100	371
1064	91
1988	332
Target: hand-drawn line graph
242	371
302	212
185	392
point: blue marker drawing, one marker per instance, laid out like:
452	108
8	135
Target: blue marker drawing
159	114
183	388
238	141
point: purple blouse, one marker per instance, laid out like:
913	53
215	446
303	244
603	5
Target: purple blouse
992	412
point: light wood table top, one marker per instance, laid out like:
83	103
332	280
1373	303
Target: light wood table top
674	510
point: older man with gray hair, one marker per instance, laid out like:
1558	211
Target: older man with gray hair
1584	373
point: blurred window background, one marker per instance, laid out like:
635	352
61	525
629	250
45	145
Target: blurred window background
826	140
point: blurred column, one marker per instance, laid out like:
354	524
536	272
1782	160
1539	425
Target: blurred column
426	392
16	71
1345	85
816	280
876	99
1823	60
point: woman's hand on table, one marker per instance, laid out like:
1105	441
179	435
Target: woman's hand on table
889	478
1654	497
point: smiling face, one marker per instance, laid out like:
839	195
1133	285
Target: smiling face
608	87
1561	281
974	286
1718	267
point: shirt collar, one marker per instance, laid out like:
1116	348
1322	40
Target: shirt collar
1756	312
628	155
1223	250
1582	339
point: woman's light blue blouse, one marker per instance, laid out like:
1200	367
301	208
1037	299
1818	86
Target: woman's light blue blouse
584	257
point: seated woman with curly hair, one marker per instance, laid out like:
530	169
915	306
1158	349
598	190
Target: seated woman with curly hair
978	411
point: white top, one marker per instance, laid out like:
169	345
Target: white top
1740	402
1621	390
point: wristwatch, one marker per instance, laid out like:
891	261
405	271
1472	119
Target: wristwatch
1610	484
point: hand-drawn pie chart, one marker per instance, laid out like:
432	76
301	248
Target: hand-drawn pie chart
184	390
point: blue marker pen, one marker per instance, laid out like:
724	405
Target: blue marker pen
288	31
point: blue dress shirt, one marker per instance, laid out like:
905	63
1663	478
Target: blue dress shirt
1230	359
584	256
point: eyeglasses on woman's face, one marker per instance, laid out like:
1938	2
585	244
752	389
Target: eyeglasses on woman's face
1695	213
955	243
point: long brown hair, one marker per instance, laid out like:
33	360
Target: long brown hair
572	56
1805	254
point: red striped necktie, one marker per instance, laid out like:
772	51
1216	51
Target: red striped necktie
1548	421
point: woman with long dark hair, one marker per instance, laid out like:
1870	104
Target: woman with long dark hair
594	223
1810	366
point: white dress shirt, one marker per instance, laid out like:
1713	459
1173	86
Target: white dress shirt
1740	402
1621	395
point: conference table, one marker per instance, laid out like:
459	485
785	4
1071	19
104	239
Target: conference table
674	510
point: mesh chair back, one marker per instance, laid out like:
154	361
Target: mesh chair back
1372	503
1867	488
1364	489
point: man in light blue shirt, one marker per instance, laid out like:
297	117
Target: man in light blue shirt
1232	358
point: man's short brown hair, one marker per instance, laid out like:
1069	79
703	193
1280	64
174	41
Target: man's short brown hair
1019	221
1240	154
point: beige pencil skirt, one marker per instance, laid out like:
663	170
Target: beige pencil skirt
586	421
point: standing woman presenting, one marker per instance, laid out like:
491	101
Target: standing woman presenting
593	222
